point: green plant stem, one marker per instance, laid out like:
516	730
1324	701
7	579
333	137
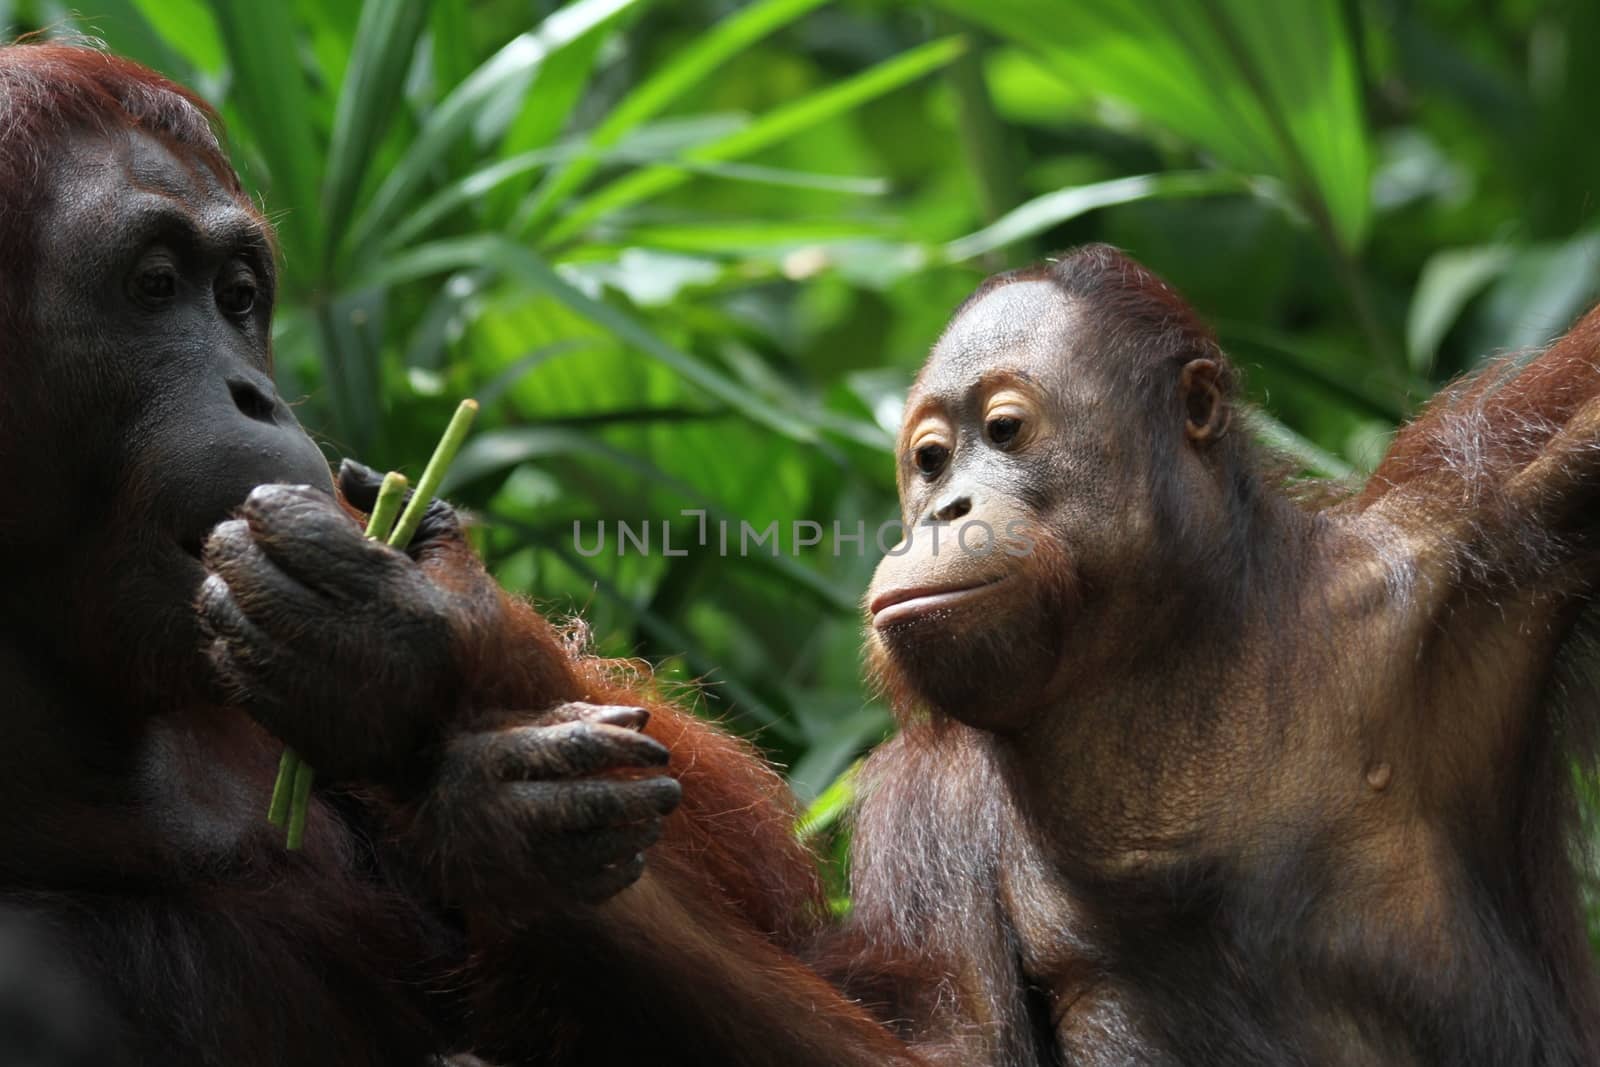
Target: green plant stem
289	796
433	473
278	811
291	768
1302	179
381	522
300	804
984	141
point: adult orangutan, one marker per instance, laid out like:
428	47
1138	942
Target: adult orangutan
1191	773
472	873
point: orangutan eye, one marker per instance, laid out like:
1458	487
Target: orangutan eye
930	459
1003	429
158	284
155	283
237	299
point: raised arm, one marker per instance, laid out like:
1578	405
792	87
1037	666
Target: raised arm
1500	473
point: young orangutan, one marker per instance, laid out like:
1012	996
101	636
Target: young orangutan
1193	774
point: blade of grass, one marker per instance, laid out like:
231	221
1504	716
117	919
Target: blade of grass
738	696
385	41
772	128
689	68
270	93
490	250
498	450
283	789
1043	212
1281	439
509	68
433	474
300	804
830	806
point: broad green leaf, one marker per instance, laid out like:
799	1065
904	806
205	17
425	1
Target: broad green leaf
1449	280
831	805
518	262
1374	389
186	26
782	177
1267	88
785	121
385	41
479	183
1280	438
1539	295
773	236
1043	212
129	29
269	90
644	147
509	70
330	27
649	98
546	110
450	41
495	451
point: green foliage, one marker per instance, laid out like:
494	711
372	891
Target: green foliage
689	254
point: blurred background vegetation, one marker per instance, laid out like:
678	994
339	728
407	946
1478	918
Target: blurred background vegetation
689	254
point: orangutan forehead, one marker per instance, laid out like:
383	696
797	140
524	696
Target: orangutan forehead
1026	324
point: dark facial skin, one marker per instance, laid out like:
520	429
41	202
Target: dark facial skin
1021	496
154	302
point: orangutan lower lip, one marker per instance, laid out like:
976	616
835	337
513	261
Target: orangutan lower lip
902	605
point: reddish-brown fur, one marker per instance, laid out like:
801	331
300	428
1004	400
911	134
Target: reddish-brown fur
1297	786
139	849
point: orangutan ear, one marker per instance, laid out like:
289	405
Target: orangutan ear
1204	403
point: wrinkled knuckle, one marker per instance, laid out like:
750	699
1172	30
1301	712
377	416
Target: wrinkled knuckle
226	541
576	741
602	807
561	713
265	500
214	593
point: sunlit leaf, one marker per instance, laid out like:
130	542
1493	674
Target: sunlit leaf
385	41
655	93
1052	209
1267	89
773	127
519	262
510	69
1281	439
1449	280
269	88
831	805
